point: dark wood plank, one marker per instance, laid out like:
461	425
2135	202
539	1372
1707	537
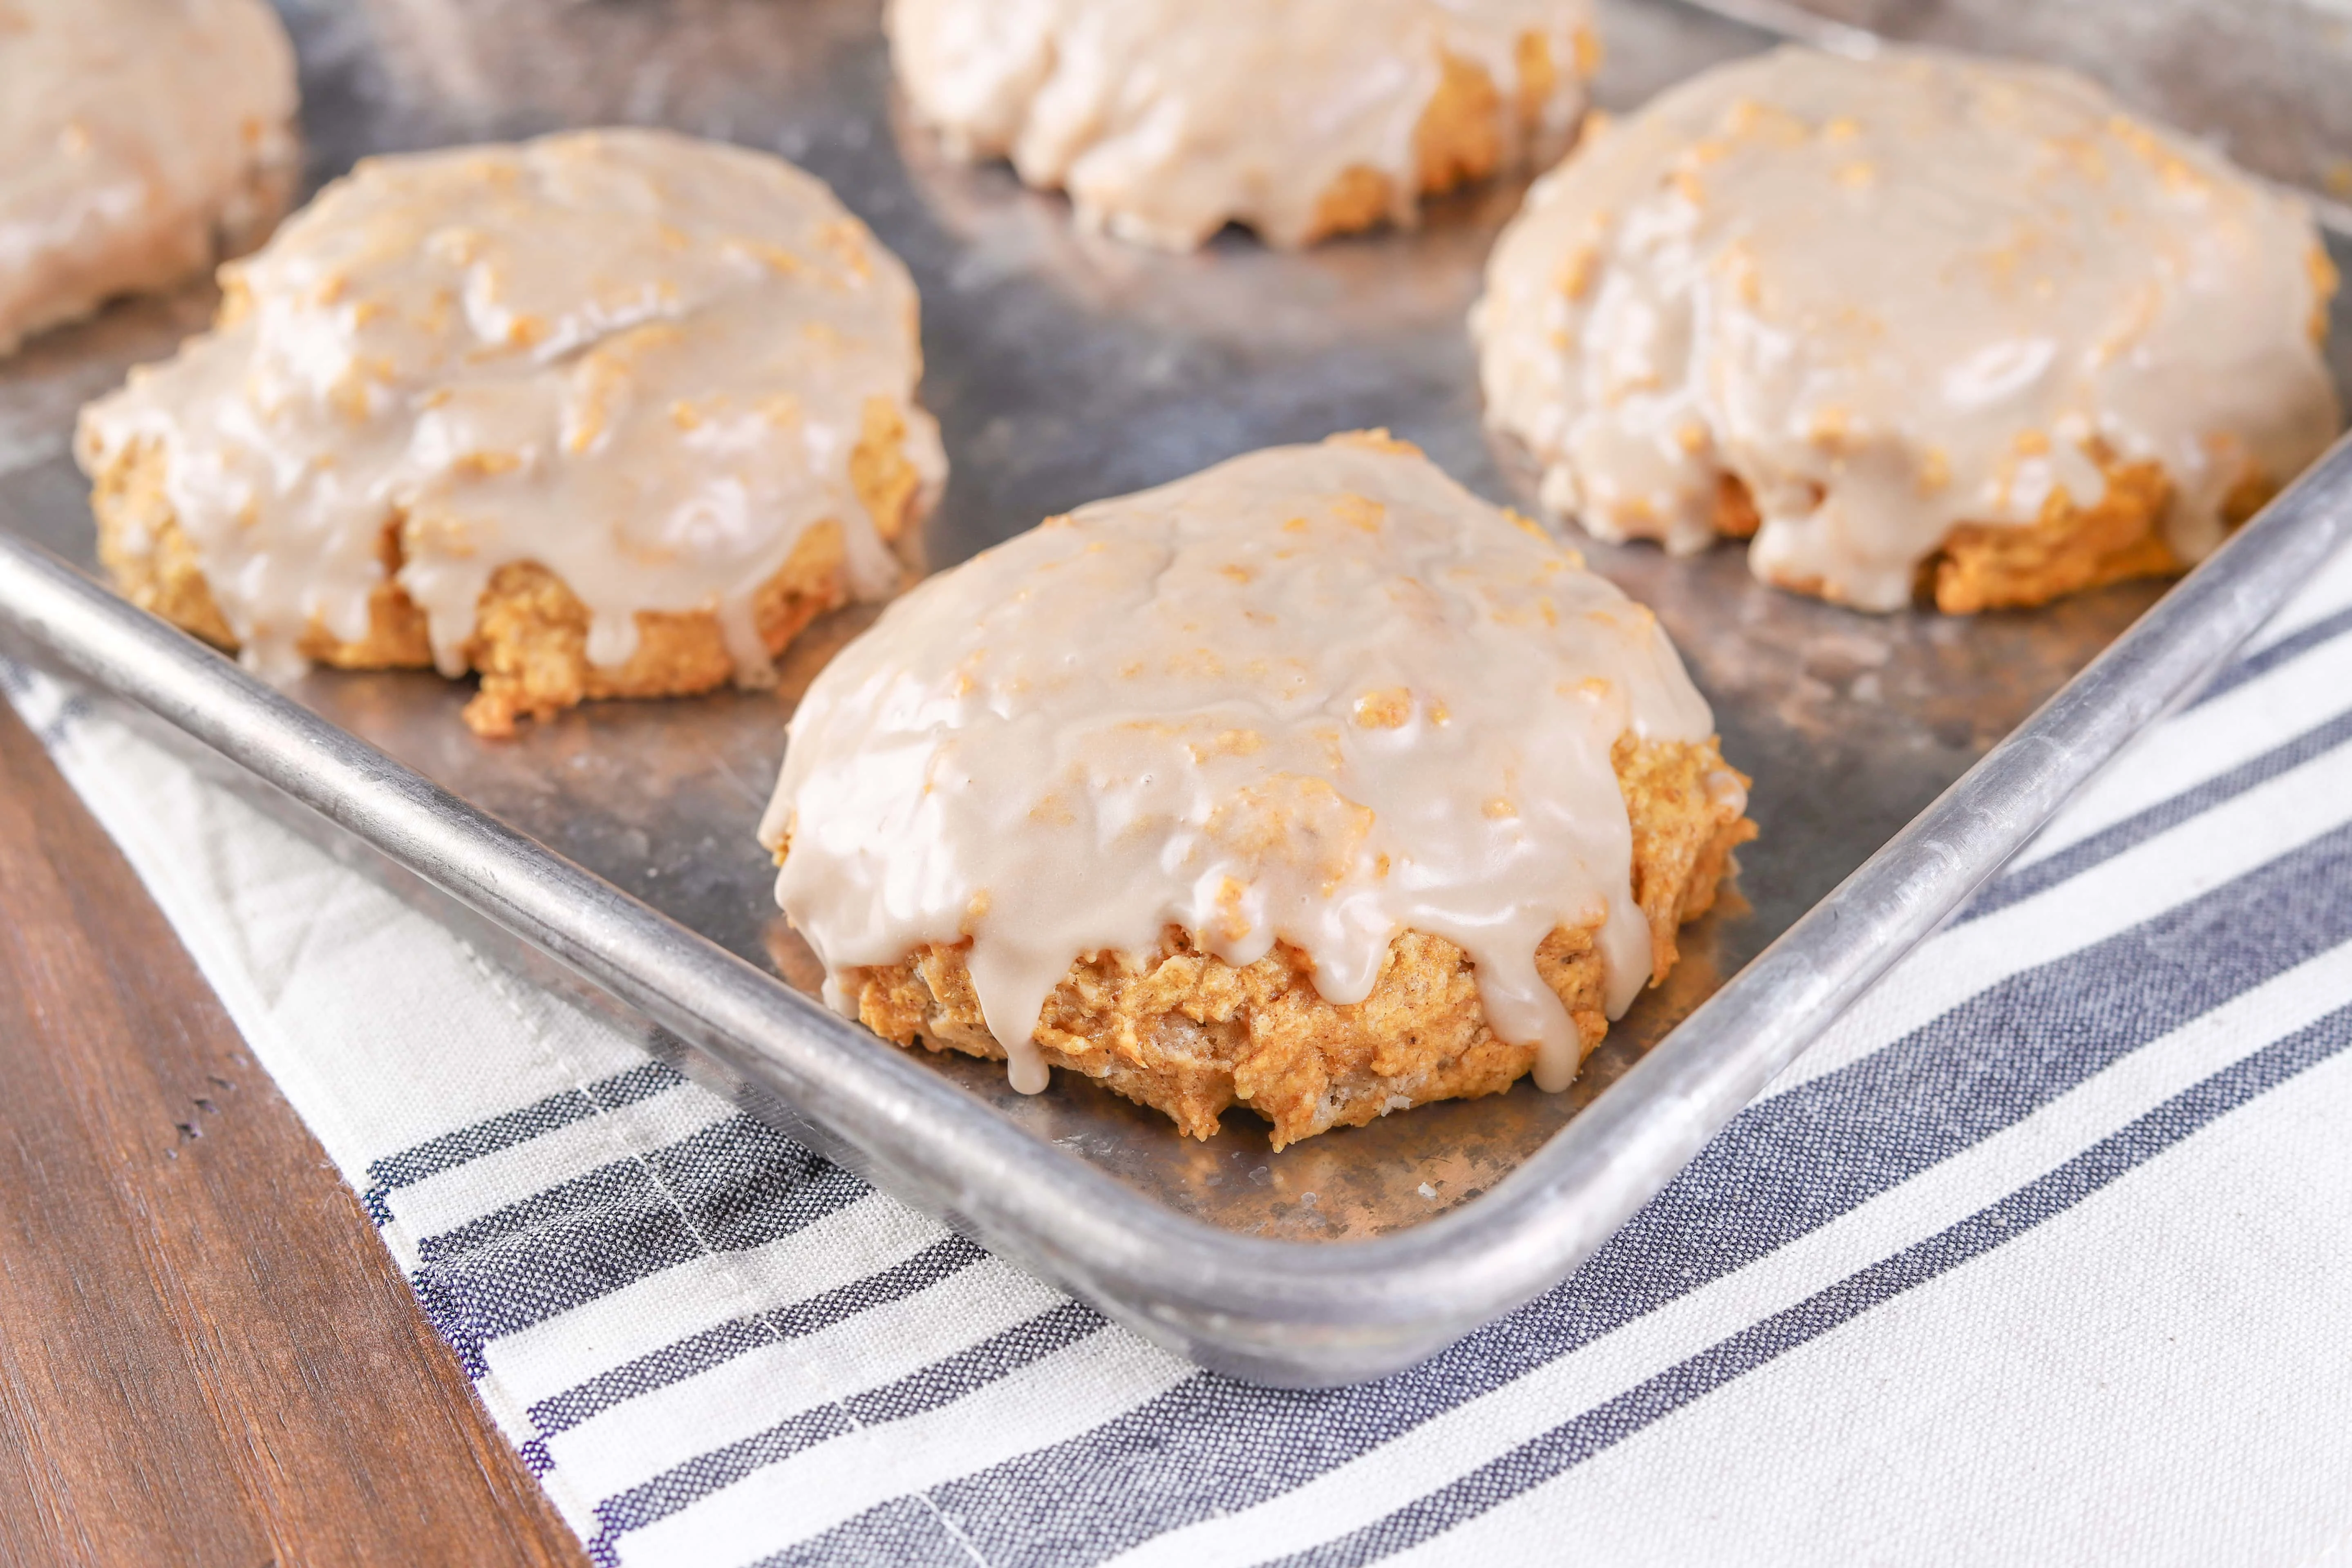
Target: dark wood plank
205	1355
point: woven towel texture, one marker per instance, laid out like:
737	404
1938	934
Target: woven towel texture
2044	1253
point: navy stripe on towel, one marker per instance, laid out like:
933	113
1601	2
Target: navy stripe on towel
736	1184
492	1135
1778	1171
2270	656
700	1353
1573	1442
2041	876
937	1385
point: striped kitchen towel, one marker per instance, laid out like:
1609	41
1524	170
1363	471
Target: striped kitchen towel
2044	1253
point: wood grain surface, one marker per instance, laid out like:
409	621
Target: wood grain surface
205	1355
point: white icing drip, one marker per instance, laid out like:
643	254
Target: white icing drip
137	137
612	638
1892	296
1319	695
740	626
1166	118
638	360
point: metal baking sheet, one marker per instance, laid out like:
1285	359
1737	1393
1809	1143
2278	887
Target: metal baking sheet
1064	367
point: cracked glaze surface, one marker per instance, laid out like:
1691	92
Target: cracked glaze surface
635	358
1166	118
1321	695
1891	296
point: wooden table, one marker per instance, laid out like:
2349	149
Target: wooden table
205	1355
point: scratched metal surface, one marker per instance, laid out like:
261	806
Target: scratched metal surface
1063	368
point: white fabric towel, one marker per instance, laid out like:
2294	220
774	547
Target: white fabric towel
2044	1253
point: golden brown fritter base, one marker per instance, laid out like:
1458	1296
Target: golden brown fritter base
1191	1034
1456	141
2067	550
530	631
